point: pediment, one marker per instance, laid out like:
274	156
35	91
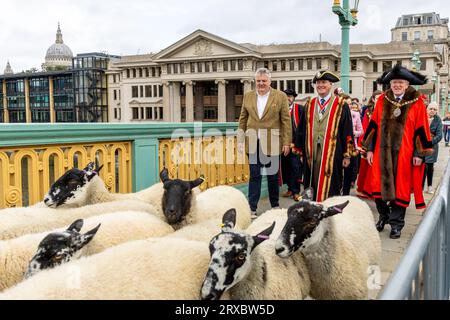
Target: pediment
202	44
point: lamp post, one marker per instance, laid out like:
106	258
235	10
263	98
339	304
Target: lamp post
434	80
347	18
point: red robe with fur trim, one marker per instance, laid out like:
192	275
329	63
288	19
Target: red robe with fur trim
395	141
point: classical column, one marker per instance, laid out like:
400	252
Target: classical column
189	100
222	101
51	100
247	85
27	101
166	101
176	101
5	103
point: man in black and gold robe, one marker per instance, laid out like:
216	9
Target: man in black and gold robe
326	142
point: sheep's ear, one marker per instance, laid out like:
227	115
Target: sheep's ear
263	235
76	225
308	194
336	209
229	220
164	175
196	183
84	239
90	166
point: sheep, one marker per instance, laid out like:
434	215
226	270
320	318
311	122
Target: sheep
13	224
156	268
60	246
182	207
247	267
339	248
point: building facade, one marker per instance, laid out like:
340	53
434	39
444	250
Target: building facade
203	77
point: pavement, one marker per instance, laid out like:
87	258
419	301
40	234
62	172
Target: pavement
392	250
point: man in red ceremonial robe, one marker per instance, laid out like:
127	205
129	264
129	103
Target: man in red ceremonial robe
397	139
326	141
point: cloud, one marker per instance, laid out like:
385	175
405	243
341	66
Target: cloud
28	27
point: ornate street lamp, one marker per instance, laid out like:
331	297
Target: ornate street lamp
416	61
347	17
434	79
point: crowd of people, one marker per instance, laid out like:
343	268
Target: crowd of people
384	148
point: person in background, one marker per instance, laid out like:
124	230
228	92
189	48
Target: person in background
446	123
291	166
364	167
351	171
436	135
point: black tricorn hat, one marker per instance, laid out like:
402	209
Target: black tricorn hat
291	92
326	75
401	73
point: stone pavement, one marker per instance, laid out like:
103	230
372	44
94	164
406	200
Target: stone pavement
392	250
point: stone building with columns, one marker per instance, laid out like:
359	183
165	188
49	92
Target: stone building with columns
203	77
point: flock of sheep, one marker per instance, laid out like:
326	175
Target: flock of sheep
171	241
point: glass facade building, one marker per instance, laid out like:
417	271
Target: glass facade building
79	94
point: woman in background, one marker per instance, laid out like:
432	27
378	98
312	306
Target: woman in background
436	135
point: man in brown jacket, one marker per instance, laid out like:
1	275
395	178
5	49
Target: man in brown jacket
265	124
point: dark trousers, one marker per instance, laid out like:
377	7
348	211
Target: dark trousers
447	135
293	175
258	162
391	213
428	174
349	174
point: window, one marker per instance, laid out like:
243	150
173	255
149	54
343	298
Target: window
149	113
430	35
134	73
350	87
266	64
181	67
240	64
274	84
169	68
300	86
214	66
134	91
429	20
153	72
291	65
147	73
309	64
375	86
309	87
417	35
405	22
387	65
282	85
274	66
354	64
336	65
135	113
192	67
423	66
233	65
140	73
142	91
115	94
148	91
160	92
175	68
319	64
225	65
128	73
207	69
200	66
114	78
283	65
375	66
300	64
404	36
290	84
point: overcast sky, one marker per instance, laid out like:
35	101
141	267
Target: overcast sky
124	27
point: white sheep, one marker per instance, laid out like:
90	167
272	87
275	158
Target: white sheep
32	220
245	265
339	241
116	228
156	268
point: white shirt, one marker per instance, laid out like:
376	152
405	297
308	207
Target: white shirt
401	97
261	103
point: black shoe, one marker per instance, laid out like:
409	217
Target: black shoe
380	224
395	233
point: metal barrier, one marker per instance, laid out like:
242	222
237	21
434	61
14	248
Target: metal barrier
424	270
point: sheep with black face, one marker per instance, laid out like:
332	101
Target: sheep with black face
61	245
244	264
339	241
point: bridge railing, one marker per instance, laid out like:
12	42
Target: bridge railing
424	270
32	156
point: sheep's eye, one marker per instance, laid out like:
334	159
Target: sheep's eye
58	257
241	257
